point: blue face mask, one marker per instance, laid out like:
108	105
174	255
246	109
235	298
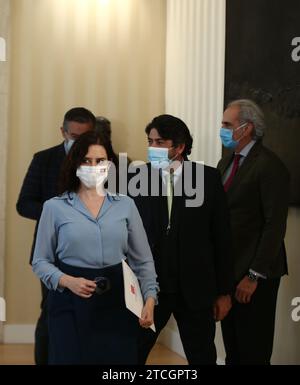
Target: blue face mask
159	157
226	136
69	144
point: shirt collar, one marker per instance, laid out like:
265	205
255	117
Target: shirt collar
71	197
245	151
65	147
176	172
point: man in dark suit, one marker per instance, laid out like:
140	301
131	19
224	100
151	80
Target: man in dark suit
41	184
190	241
257	185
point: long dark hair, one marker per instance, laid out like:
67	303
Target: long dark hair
68	181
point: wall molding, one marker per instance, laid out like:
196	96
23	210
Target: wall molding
18	334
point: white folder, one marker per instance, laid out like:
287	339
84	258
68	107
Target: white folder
132	291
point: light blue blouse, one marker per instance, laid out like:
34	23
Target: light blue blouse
68	231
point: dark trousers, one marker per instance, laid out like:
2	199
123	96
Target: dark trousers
41	331
99	330
196	328
248	329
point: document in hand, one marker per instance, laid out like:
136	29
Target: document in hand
133	296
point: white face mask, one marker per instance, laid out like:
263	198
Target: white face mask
159	157
93	176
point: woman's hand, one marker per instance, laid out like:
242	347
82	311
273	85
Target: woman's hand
79	286
147	318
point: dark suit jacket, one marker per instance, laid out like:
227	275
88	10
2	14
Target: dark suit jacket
40	183
199	239
258	200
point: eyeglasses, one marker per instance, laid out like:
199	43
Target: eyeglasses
103	285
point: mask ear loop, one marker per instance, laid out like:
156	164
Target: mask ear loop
238	128
241	126
174	157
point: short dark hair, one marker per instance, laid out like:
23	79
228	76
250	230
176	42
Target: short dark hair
103	127
80	115
172	128
69	182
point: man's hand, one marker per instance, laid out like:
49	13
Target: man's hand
245	289
221	307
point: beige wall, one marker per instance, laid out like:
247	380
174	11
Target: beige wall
108	56
4	75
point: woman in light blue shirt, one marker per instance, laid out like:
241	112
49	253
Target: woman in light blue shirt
82	237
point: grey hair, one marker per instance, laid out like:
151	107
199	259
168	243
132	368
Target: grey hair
250	112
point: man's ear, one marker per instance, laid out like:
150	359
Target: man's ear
180	148
63	132
249	129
